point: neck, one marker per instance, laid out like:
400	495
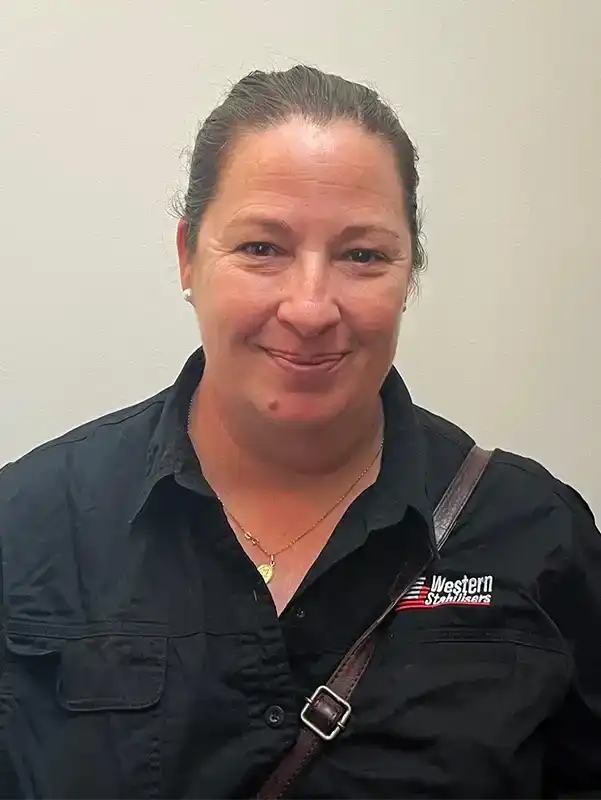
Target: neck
261	455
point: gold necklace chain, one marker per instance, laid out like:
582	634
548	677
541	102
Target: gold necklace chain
267	570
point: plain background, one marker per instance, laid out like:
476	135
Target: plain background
503	98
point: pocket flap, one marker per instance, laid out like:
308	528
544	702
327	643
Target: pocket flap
112	672
32	646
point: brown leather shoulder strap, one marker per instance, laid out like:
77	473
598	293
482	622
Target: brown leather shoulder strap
459	492
327	711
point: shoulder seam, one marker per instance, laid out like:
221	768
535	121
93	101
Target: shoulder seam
445	435
556	486
66	439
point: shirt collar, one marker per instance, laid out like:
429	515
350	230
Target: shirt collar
170	448
401	482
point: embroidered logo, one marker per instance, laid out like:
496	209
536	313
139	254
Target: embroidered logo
439	591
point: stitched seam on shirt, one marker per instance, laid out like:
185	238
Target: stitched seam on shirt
23	627
95	426
427	424
555	486
485	637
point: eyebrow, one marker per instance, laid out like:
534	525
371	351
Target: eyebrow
267	223
279	226
352	231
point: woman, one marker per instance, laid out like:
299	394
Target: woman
181	575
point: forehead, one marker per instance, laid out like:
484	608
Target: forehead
336	169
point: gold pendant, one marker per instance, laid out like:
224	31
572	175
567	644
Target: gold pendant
266	571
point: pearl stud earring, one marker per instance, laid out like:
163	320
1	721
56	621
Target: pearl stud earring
188	295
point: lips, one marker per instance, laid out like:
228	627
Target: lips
306	360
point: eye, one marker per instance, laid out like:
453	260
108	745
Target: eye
365	255
259	249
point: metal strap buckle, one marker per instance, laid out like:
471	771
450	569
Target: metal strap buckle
334	722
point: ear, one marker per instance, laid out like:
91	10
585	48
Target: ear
183	257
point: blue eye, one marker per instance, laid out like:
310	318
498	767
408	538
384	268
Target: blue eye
259	249
365	255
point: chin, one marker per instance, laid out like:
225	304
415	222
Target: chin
303	411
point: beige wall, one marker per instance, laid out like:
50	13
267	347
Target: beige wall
504	100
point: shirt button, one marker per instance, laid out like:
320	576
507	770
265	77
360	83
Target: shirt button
300	613
274	716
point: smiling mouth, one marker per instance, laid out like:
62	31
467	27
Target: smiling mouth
320	361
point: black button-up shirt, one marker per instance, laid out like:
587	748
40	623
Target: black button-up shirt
143	656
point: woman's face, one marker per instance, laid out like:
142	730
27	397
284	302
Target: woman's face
301	271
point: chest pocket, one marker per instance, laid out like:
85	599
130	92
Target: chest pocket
457	698
112	673
81	717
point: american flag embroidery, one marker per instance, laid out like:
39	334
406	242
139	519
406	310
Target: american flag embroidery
440	591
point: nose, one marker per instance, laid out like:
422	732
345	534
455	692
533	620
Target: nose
309	305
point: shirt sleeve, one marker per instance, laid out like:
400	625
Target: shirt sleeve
9	784
2	603
573	754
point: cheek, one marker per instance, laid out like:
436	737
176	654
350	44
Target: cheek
376	317
231	306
